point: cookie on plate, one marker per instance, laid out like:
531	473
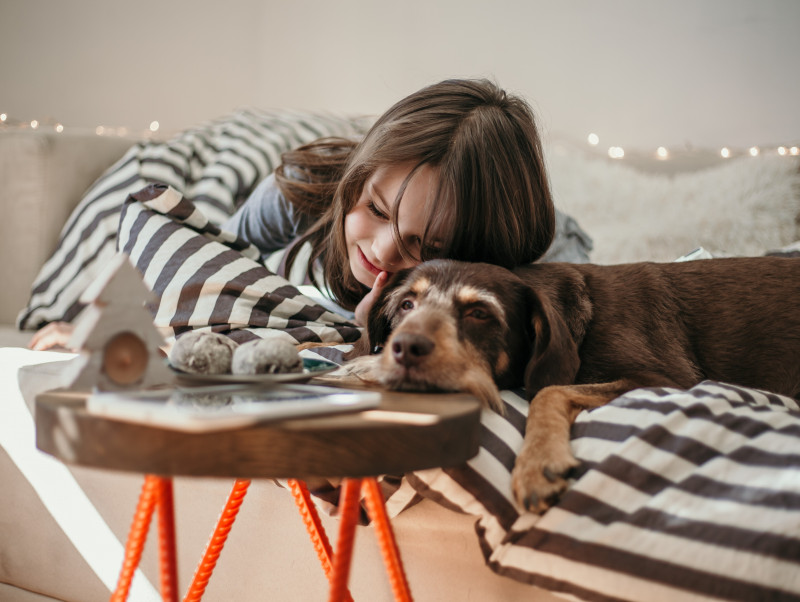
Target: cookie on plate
266	356
203	352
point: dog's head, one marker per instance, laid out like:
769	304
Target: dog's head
452	326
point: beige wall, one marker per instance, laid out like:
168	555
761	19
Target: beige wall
637	72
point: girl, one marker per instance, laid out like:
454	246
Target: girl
454	170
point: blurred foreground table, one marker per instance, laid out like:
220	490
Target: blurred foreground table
407	432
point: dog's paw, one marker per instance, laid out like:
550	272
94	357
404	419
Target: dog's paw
538	479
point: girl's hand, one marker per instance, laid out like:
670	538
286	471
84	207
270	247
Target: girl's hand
54	336
362	309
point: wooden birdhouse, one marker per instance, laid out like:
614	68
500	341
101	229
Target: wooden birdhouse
118	342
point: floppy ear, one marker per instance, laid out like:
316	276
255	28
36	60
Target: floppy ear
554	355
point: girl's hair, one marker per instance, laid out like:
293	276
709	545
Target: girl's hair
492	202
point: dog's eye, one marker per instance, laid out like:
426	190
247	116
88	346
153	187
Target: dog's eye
477	313
407	305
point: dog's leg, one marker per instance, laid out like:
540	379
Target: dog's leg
539	473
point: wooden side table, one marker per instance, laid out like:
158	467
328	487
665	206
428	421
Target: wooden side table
406	432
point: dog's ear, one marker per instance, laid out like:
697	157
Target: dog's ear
378	321
554	354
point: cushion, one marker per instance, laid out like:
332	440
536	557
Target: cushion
216	165
42	176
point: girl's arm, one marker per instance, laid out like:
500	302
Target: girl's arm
267	220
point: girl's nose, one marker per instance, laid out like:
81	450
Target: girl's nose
385	249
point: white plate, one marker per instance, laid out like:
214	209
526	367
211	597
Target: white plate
311	368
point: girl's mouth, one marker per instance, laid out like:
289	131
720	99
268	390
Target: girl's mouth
367	264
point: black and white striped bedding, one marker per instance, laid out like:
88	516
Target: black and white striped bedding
206	278
216	165
680	495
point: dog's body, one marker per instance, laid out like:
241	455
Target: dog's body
579	335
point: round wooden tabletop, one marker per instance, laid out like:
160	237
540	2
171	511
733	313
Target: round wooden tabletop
408	431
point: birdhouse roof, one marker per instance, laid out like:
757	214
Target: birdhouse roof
119	282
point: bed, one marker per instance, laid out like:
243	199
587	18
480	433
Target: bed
680	495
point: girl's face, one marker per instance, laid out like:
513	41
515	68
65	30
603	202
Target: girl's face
368	229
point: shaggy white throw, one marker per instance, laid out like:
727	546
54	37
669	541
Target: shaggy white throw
744	206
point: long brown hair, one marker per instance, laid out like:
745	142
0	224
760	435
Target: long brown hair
492	201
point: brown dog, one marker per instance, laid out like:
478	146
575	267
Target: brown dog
579	335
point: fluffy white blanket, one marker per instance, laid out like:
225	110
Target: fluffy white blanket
743	206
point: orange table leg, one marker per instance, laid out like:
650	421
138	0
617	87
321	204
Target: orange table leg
166	538
376	508
349	508
136	538
316	530
220	535
341	560
156	493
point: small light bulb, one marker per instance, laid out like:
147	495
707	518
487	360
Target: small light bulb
616	152
725	152
59	128
594	139
100	130
662	153
781	150
3	117
754	151
794	150
154	125
34	124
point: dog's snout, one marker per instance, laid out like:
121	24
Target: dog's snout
410	349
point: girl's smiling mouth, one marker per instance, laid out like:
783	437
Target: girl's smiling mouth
369	265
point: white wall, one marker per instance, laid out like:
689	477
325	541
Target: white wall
639	73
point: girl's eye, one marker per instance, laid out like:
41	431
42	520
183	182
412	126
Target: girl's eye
374	210
430	251
407	305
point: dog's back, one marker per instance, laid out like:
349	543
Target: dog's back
735	320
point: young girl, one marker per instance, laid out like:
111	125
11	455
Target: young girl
454	170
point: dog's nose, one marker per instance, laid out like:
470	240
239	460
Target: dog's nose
410	349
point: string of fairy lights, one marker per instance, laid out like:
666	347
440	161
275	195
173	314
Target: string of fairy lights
664	154
614	152
9	123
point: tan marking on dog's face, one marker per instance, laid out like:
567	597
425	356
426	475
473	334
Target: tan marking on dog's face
420	286
502	363
469	294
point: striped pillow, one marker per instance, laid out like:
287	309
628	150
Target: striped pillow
207	278
680	495
216	165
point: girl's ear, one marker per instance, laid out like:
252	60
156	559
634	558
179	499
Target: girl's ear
554	353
